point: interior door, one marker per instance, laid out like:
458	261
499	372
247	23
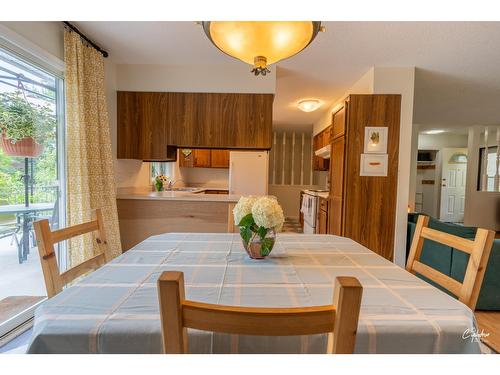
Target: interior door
453	172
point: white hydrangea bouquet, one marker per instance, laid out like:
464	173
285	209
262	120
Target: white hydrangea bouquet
259	218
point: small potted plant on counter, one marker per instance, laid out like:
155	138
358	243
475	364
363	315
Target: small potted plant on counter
259	218
160	182
24	127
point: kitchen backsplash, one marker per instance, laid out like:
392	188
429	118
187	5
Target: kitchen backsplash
208	177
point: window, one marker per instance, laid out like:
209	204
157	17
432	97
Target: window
32	179
487	176
161	168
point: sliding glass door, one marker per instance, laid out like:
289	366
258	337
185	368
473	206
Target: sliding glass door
31	180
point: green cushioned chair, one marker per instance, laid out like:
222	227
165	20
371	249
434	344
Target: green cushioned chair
452	262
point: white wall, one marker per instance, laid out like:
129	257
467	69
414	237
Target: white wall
440	141
128	173
482	209
46	35
288	197
207	177
401	80
192	78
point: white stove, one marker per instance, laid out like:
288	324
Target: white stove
310	207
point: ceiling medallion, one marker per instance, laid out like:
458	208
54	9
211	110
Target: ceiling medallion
261	43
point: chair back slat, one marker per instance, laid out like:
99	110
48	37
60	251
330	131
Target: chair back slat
54	280
448	239
258	321
73	231
440	278
177	314
478	250
82	268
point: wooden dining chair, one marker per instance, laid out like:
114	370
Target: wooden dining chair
45	238
178	314
479	252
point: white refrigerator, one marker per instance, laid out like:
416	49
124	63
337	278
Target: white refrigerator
248	172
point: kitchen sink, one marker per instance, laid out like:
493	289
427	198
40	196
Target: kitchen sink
186	189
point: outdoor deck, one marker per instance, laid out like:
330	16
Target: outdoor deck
21	285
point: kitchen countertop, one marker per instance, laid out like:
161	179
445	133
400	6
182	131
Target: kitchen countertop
196	196
315	193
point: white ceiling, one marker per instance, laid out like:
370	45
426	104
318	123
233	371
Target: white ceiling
457	77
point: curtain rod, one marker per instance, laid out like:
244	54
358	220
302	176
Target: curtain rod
103	52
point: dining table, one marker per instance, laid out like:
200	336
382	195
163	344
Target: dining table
115	309
23	212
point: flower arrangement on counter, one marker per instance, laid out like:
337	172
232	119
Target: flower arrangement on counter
160	181
259	218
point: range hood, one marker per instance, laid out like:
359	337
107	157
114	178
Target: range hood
323	152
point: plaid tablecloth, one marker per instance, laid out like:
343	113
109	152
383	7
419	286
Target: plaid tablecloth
115	309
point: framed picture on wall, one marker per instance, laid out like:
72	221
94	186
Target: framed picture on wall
373	165
375	140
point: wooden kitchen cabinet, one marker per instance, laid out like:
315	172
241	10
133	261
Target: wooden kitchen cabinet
204	158
149	121
337	168
194	158
141	130
322	223
363	208
219	158
335	216
224	120
201	158
338	123
321	140
186	159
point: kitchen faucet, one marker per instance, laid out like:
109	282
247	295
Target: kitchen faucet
172	183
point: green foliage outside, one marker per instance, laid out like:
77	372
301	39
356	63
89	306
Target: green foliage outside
20	119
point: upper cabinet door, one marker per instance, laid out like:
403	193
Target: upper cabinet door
149	121
141	127
186	158
220	158
221	120
338	127
202	158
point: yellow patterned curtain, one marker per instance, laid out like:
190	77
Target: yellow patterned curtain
90	176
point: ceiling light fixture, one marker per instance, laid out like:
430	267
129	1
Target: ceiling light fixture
261	43
434	131
309	105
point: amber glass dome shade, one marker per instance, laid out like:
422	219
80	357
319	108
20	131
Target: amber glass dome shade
260	43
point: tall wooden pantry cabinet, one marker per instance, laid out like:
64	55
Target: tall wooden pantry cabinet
363	208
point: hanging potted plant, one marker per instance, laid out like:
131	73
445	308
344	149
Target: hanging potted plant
24	127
